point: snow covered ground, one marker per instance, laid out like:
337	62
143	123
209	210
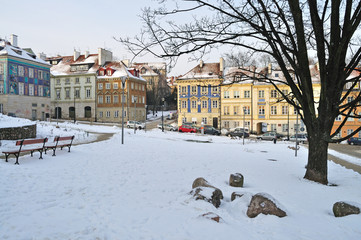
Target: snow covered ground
140	190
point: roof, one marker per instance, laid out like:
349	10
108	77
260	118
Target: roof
64	66
6	49
207	71
120	70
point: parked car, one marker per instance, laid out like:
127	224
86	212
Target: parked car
237	133
208	129
187	128
302	138
354	141
268	136
168	127
139	125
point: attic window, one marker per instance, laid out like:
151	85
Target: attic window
109	72
31	55
17	51
101	73
84	67
210	73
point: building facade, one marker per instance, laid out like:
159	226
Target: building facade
199	94
110	93
24	82
73	84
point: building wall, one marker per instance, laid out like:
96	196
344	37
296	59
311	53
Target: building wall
24	88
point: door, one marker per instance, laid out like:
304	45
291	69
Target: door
215	122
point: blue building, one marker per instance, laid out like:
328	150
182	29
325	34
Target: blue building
24	82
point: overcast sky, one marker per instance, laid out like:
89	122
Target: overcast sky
59	27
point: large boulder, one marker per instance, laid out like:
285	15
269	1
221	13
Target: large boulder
211	195
236	180
341	209
201	182
261	203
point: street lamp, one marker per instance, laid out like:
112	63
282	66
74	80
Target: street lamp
145	122
123	99
74	107
162	115
135	114
244	118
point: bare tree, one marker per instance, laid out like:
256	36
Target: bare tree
285	30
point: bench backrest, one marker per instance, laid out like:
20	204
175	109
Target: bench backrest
65	138
31	141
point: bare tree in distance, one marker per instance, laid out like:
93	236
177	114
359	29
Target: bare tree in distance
284	30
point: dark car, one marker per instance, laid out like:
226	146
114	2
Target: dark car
208	129
237	133
354	141
187	128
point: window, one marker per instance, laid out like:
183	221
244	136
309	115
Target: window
184	120
261	110
226	94
107	85
184	104
100	114
194	89
57	94
273	110
77	80
349	99
107	114
109	72
101	72
100	86
215	104
21	71
247	124
274	127
236	94
273	93
143	88
338	118
116	99
67	93
261	94
57	81
204	120
67	80
116	114
1	108
295	111
184	90
143	99
88	93
204	90
194	104
296	127
100	99
31	72
284	127
115	85
350	117
21	88
247	110
226	110
204	103
1	68
284	110
107	99
226	124
41	91
236	110
40	74
215	89
77	93
31	89
285	92
235	124
88	80
132	85
247	94
277	75
349	131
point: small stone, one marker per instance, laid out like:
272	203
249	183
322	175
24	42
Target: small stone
262	204
236	195
341	209
212	216
211	195
236	180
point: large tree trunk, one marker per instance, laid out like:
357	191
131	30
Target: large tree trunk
317	159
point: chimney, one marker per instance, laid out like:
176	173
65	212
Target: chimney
14	40
86	54
42	56
201	63
269	68
76	55
104	56
221	64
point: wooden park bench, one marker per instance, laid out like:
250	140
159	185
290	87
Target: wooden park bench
60	142
27	145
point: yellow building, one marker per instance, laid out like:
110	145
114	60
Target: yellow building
199	94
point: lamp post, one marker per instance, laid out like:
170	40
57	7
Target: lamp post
288	122
296	133
244	118
123	87
74	107
135	112
162	115
145	122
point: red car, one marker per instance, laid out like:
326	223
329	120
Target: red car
187	128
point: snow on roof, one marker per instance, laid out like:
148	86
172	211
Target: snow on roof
207	71
120	71
8	50
64	66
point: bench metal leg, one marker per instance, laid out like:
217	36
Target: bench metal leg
17	159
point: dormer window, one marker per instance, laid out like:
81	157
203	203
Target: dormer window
101	72
109	72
